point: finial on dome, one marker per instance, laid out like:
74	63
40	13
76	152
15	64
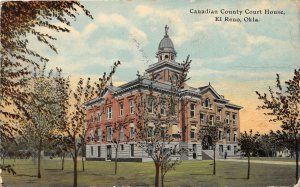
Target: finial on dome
166	30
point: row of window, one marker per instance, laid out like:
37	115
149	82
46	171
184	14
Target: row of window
98	134
109	112
220	135
109	136
109	151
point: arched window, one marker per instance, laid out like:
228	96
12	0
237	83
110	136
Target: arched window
160	57
172	57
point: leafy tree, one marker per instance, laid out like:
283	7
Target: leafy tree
74	132
249	144
19	21
212	131
283	105
43	109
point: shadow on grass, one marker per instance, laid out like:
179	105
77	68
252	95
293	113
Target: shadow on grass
235	178
49	169
24	175
201	174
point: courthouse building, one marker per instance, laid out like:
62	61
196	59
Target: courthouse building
204	104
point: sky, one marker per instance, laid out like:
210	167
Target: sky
236	58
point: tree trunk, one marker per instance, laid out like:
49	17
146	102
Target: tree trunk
82	154
157	167
248	174
75	168
116	159
214	172
63	161
39	159
82	160
162	177
183	138
297	158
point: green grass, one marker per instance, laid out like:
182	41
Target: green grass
189	173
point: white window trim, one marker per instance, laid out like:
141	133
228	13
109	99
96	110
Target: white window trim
109	112
131	106
121	111
193	109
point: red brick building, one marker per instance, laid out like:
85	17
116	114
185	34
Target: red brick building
116	105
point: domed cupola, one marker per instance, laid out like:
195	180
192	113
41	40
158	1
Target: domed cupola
166	51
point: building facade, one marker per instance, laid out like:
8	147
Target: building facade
204	106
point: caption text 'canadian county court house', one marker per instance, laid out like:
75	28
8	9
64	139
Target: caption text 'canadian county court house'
204	104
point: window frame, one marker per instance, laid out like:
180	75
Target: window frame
109	112
193	110
121	109
109	136
131	106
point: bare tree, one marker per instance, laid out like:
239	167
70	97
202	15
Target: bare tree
74	131
283	105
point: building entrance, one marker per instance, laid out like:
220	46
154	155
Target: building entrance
207	143
108	152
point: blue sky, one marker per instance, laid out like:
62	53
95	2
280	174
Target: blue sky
237	58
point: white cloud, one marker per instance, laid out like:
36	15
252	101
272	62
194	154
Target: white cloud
112	20
172	17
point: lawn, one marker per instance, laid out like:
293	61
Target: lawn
189	173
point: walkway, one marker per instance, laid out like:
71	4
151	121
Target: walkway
259	161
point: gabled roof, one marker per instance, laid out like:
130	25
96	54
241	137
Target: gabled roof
204	89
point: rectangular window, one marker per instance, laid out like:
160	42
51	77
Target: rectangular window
99	116
202	118
193	107
163	132
228	147
150	105
132	132
193	134
235	137
99	151
122	134
220	135
235	149
234	119
211	119
92	151
109	112
121	105
131	106
92	119
132	150
219	114
227	117
228	135
122	147
150	131
163	108
109	133
99	133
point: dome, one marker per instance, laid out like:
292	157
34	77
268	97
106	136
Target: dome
166	43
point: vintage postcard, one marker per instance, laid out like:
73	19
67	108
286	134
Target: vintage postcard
150	93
